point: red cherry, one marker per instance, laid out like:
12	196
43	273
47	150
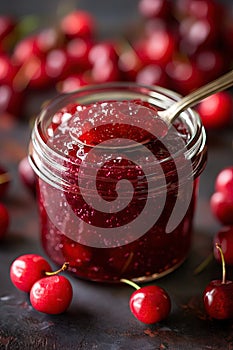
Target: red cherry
57	64
129	63
32	74
184	76
159	47
27	175
102	52
152	74
211	64
216	110
197	34
27	269
10	100
105	71
4	220
73	82
48	39
78	24
78	54
149	304
7	70
221	205
217	296
51	295
154	8
224	238
199	8
4	181
224	181
25	49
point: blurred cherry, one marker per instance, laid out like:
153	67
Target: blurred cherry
216	110
78	54
11	100
73	82
159	47
78	24
152	75
222	207
184	76
27	175
211	63
154	8
224	181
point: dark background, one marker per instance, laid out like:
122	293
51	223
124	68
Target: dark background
99	317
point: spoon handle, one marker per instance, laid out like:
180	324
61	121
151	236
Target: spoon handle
222	83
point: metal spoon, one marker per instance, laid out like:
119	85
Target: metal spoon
171	113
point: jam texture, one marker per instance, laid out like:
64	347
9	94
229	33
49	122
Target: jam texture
120	174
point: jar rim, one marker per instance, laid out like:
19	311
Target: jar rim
155	95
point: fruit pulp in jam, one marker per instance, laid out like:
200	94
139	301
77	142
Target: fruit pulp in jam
74	132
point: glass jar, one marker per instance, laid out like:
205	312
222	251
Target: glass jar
116	186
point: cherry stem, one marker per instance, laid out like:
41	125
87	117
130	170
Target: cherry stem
218	246
4	177
131	283
63	268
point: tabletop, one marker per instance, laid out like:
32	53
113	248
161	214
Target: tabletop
99	316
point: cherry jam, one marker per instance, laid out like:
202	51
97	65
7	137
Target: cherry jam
117	186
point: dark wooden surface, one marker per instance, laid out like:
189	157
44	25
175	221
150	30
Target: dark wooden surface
99	316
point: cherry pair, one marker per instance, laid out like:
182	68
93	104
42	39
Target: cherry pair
49	292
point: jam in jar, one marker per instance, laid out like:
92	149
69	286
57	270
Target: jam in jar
117	186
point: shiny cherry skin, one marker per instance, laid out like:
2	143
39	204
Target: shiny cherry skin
51	295
217	296
218	299
150	304
224	237
4	220
222	207
224	181
27	269
216	110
